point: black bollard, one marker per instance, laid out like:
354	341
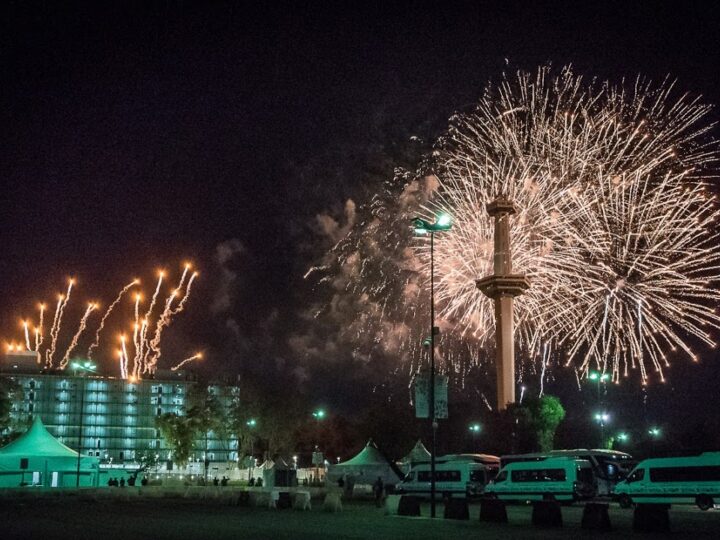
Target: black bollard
595	517
493	510
409	506
284	502
546	514
456	509
651	518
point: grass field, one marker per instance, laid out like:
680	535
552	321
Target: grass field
180	519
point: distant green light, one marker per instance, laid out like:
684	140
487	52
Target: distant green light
475	428
654	431
623	437
252	422
319	414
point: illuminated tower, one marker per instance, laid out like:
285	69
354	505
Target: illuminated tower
502	287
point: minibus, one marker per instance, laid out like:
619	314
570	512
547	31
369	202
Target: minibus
609	466
679	480
561	479
455	476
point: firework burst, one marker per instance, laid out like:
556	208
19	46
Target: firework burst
615	222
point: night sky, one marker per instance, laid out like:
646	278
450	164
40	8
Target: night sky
137	136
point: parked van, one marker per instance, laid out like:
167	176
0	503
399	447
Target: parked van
609	466
681	480
561	479
455	475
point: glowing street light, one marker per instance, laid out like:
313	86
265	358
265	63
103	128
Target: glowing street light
602	418
319	414
654	432
474	428
623	437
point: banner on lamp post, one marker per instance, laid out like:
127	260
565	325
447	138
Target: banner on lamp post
422	396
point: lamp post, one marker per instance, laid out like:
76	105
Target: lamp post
443	222
85	367
654	432
318	414
251	424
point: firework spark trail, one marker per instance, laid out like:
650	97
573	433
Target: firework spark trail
181	305
154	345
53	338
123	358
136	331
73	343
115	302
39	329
61	309
166	318
197	356
27	335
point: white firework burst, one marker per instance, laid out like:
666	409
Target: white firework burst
615	225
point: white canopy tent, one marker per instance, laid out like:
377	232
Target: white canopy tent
36	457
418	454
365	467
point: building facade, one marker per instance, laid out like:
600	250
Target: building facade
110	418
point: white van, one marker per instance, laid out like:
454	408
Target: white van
609	466
560	479
682	480
456	476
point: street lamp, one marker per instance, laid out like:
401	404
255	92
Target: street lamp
654	432
443	222
85	367
475	430
623	437
602	418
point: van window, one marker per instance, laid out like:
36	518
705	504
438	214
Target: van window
685	474
440	476
636	476
585	475
409	476
501	477
477	476
539	475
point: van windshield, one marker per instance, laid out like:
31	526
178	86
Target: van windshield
501	477
636	475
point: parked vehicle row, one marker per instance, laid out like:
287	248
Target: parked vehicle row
572	475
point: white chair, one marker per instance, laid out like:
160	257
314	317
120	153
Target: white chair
302	501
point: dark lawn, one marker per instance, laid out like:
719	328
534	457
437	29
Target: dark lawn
179	519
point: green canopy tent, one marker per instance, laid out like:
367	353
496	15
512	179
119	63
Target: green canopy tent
36	457
366	467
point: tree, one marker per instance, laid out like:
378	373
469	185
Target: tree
10	391
545	415
179	432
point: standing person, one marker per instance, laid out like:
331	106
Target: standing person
378	488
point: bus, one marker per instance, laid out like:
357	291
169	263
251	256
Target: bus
609	466
560	479
678	480
459	475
